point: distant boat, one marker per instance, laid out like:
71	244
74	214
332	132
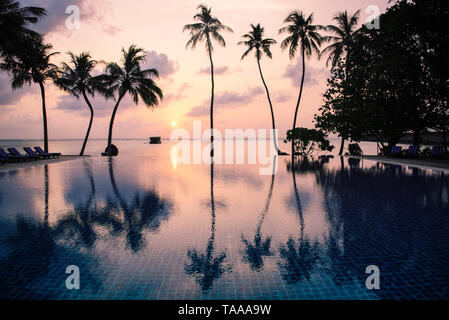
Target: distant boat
155	140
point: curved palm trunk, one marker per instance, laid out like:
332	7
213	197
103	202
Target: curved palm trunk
210	246
342	146
90	123
46	193
212	97
44	116
212	199
271	106
298	204
92	197
299	97
111	123
267	206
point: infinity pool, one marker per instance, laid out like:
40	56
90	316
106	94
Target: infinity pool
140	226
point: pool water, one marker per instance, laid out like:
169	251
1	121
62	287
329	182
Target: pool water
140	226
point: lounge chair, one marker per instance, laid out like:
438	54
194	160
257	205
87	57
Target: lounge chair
396	151
33	153
10	158
437	152
15	153
413	151
43	153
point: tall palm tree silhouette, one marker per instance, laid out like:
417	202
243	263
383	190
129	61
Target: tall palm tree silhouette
129	78
341	45
305	35
208	266
33	66
255	251
254	41
208	28
15	20
78	81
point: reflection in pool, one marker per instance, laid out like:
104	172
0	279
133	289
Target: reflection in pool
140	228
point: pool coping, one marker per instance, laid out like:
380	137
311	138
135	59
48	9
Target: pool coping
438	165
29	164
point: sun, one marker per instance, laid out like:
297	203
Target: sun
173	123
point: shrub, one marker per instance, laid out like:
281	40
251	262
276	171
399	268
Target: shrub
307	141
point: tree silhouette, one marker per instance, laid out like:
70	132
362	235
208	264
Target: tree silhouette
129	78
303	34
78	81
208	28
254	41
15	35
341	46
33	66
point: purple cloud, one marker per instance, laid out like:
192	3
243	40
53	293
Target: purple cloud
312	78
199	111
161	62
112	30
177	95
102	107
56	13
217	70
227	99
9	96
281	96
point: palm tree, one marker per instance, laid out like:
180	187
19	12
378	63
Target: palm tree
207	28
14	22
129	78
33	65
342	40
344	33
302	33
254	41
78	81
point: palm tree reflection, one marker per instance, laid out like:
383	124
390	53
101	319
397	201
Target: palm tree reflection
32	258
207	266
78	225
139	215
299	256
260	247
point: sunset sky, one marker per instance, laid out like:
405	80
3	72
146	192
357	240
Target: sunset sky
156	26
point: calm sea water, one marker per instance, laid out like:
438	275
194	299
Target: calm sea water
141	226
96	146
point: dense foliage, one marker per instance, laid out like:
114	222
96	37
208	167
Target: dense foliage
398	79
307	141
